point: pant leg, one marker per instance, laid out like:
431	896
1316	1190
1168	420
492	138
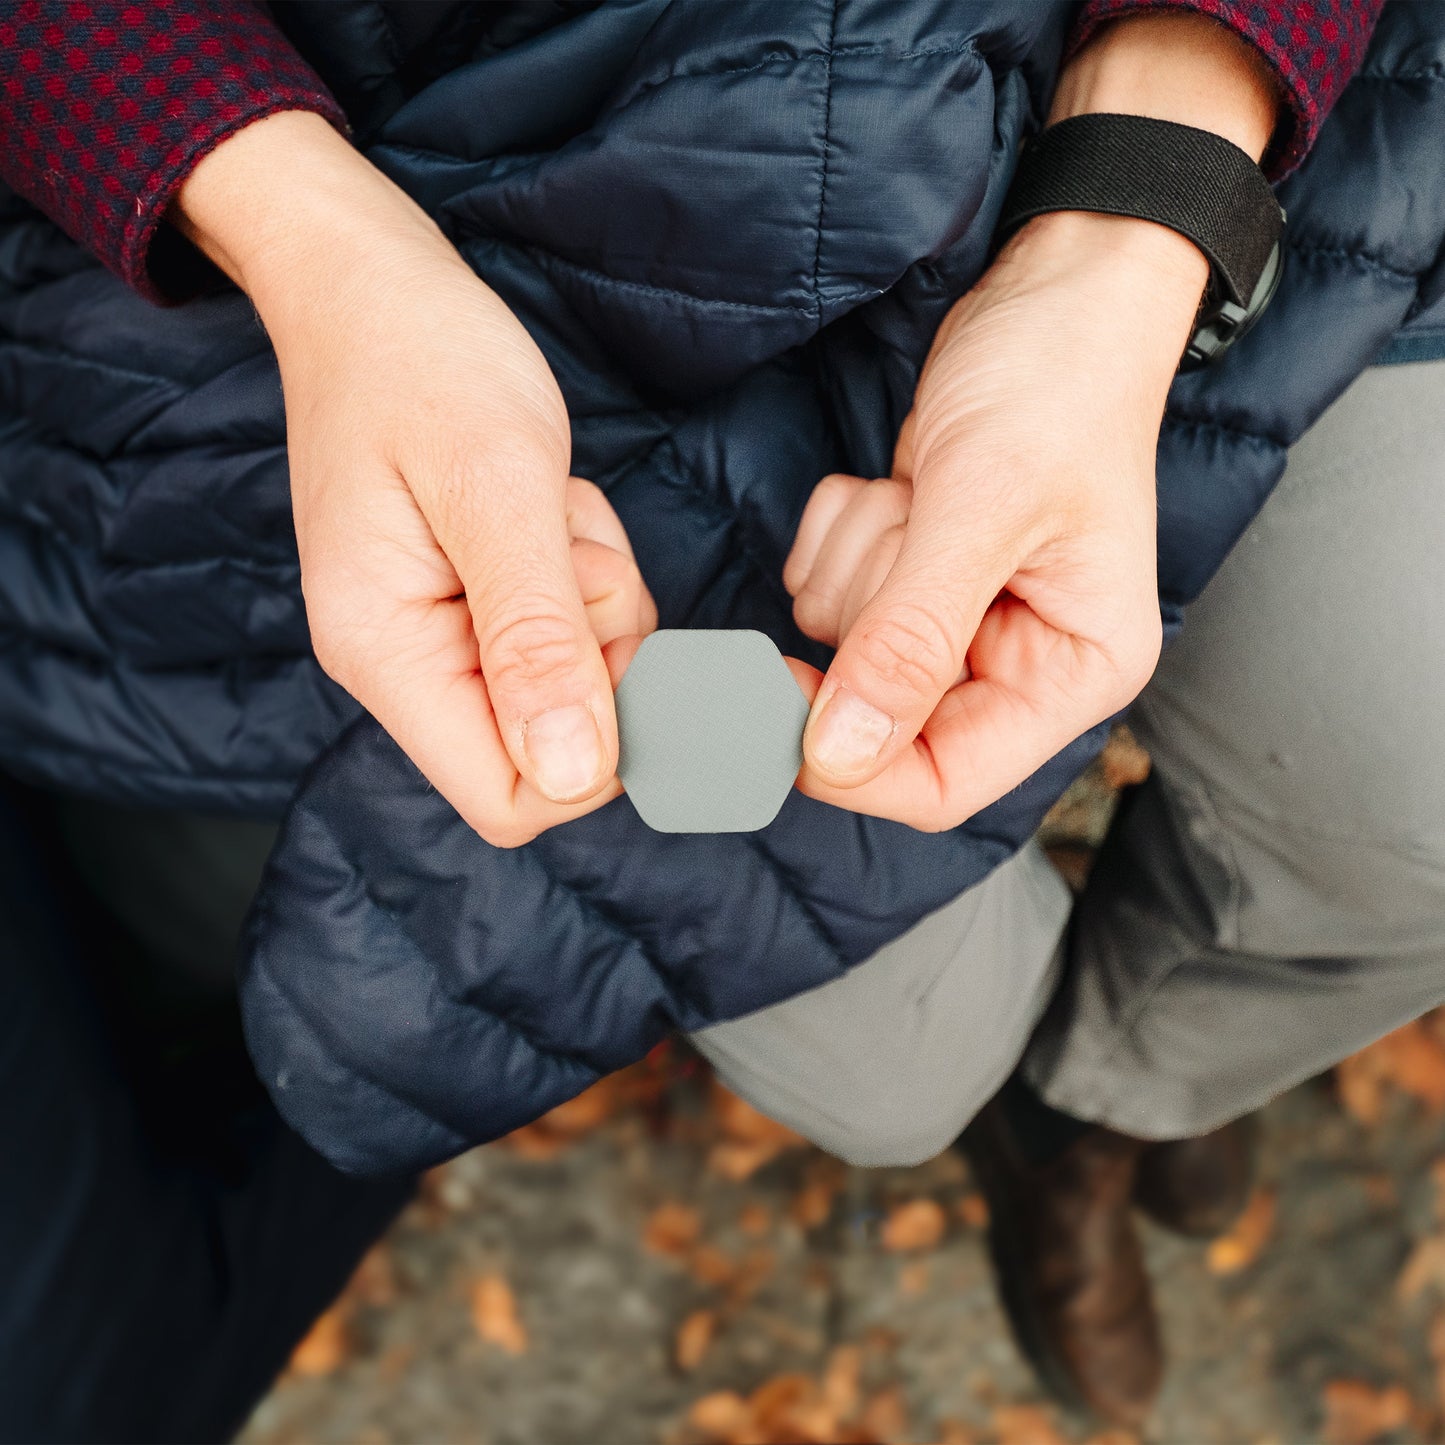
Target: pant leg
887	1064
153	1283
1273	897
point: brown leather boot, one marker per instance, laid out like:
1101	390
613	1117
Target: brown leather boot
1070	1269
1198	1187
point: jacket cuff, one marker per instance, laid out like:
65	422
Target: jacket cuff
105	107
1312	46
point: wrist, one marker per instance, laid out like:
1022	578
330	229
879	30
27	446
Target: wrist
1189	69
1133	286
279	205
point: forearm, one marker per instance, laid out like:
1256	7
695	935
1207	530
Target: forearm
1167	66
280	204
106	108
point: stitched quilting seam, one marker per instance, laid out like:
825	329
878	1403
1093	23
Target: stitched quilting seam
824	159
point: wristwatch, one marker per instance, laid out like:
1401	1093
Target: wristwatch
1193	181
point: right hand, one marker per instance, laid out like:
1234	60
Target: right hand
458	584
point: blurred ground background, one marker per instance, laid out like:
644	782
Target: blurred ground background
656	1264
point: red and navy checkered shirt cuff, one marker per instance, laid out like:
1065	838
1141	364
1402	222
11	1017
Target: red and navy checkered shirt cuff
1312	46
106	107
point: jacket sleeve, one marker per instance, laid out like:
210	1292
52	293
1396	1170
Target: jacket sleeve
1312	46
106	105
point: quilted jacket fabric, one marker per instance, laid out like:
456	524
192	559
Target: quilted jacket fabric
733	230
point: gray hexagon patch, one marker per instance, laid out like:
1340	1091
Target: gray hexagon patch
711	731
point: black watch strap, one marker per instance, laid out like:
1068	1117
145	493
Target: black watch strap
1193	181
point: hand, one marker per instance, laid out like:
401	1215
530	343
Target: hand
996	596
457	583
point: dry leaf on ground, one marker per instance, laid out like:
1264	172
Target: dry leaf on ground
739	1120
672	1229
326	1346
812	1205
955	1432
885	1416
723	1416
374	1281
1410	1061
1424	1267
915	1224
1241	1246
972	1210
495	1317
755	1219
1356	1413
841	1380
1123	761
1027	1425
694	1338
710	1266
913	1278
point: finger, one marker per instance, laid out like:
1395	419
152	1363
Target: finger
591	516
869	577
412	660
823	508
873	509
906	648
1033	690
503	526
612	592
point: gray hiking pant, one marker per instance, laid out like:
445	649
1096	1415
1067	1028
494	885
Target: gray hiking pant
1271	899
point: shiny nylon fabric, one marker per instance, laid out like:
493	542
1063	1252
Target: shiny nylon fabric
733	230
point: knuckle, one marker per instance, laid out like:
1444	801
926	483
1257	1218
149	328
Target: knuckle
909	650
816	613
1140	656
537	650
335	640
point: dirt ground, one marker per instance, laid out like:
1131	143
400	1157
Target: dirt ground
657	1263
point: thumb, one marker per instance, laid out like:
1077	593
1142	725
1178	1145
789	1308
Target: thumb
907	647
543	668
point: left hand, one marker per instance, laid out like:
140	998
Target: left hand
996	597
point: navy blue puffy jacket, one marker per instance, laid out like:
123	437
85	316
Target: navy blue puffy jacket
733	229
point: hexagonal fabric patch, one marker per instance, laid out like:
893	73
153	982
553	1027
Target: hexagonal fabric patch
711	731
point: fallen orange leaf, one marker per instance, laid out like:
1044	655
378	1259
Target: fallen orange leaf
955	1432
755	1219
1411	1061
694	1338
739	1160
326	1346
1241	1246
972	1210
722	1416
915	1224
823	1180
885	1416
1356	1413
494	1315
1123	761
710	1266
1425	1266
374	1280
913	1278
672	1229
1026	1425
841	1378
740	1121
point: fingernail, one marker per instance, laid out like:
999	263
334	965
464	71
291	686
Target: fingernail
565	748
849	734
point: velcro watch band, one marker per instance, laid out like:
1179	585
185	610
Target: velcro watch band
1193	181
